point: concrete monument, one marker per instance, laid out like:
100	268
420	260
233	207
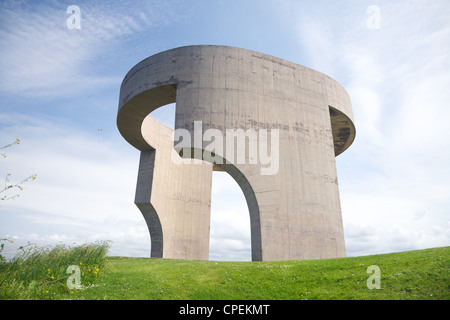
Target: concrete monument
273	125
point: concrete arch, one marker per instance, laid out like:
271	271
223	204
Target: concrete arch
131	116
221	164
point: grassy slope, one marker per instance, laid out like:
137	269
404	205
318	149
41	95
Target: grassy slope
423	274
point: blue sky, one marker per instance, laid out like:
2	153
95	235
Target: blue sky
59	93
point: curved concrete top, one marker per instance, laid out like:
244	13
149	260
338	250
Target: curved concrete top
156	81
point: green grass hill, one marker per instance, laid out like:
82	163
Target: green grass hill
422	274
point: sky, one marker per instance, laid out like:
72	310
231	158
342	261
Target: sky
59	89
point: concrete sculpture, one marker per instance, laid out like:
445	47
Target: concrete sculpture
226	96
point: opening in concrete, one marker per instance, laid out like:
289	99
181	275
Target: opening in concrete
230	235
165	115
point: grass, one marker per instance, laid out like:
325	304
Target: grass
41	273
422	274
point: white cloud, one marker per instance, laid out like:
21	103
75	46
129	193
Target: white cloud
40	56
84	190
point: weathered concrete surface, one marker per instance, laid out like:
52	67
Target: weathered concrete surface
295	213
177	213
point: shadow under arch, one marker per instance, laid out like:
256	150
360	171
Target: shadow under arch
154	227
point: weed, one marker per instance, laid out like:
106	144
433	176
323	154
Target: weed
41	273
